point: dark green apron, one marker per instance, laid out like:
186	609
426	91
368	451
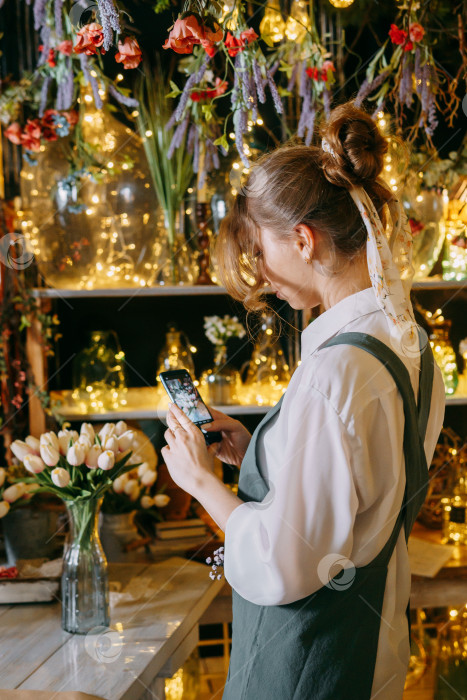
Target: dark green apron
324	646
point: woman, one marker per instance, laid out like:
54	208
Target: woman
334	476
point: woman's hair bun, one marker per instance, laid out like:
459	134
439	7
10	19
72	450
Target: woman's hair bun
356	147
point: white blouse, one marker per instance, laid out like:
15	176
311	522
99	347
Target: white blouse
333	458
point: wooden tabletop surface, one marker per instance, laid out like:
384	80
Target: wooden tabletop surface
164	603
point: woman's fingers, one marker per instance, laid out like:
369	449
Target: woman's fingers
179	417
218	414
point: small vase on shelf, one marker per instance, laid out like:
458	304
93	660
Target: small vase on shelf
222	381
445	356
85	587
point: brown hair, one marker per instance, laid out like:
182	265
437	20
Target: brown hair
304	184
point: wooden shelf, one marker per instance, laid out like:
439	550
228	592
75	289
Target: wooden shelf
162	291
143	403
439	283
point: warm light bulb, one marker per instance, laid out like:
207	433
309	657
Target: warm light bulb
341	3
272	25
299	22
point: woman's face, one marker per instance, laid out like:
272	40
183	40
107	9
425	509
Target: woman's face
282	263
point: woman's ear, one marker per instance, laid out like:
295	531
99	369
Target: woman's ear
305	242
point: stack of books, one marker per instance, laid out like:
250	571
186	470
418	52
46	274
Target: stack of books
180	529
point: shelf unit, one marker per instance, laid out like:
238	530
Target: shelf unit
140	408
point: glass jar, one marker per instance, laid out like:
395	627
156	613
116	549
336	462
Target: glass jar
455	257
176	353
99	382
455	507
425	210
85	586
222	383
445	357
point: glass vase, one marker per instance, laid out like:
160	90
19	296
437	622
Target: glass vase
85	586
222	382
445	357
425	210
99	382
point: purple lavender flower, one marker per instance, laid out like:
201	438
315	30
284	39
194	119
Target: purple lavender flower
44	95
302	89
109	19
417	70
45	39
424	88
68	86
83	59
178	135
184	97
274	67
254	97
171	122
236	85
191	138
293	78
195	150
310	125
327	102
275	95
240	123
58	6
304	114
405	84
259	82
123	99
367	88
39	13
215	158
202	70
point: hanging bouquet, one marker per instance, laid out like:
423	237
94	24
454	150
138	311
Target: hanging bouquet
220	329
134	490
73	466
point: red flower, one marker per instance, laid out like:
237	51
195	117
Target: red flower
397	36
47	120
248	35
233	44
416	31
219	89
188	31
408	46
416	226
65	47
129	53
327	66
51	58
13	133
31	136
312	73
89	39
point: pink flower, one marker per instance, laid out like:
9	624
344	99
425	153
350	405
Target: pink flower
13	133
416	31
129	53
184	35
89	39
248	35
31	136
65	47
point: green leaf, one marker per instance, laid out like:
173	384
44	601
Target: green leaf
207	111
283	92
175	90
222	141
267	38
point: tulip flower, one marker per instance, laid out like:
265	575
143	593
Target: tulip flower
125	441
14	493
106	460
161	500
4	508
60	477
20	449
88	430
143	467
120	428
134	493
147	502
130	485
64	437
49	439
75	454
85	442
34	464
2	476
33	443
149	478
92	455
111	444
106	431
119	483
49	454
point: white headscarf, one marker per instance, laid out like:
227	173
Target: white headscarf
389	266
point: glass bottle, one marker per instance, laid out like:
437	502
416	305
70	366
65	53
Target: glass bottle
272	25
268	373
445	356
98	373
222	382
455	508
176	353
451	664
85	587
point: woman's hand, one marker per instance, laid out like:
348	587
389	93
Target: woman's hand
186	455
235	437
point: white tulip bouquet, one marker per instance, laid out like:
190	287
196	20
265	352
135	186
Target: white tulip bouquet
219	330
74	466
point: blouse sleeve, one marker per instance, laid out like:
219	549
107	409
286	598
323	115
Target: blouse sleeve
287	547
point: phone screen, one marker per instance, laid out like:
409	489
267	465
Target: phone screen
184	393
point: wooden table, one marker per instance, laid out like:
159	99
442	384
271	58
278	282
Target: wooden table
151	634
449	586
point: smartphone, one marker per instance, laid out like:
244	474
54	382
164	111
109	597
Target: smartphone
181	390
